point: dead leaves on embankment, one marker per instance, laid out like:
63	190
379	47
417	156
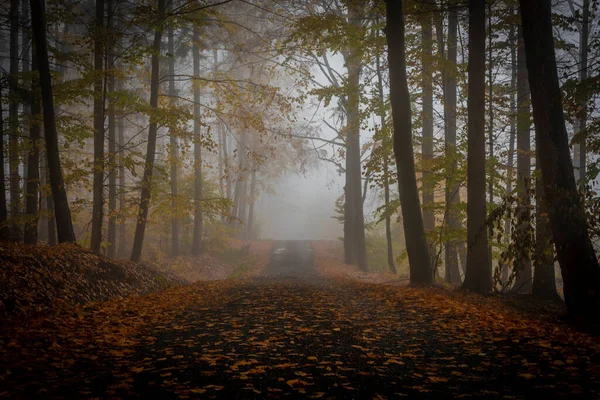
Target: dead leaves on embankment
42	278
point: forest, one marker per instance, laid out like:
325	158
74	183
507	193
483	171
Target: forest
450	150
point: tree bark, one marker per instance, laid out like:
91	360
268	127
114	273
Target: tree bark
452	194
62	213
3	209
13	123
511	140
579	266
583	72
416	243
123	239
478	275
386	172
544	280
491	129
98	184
33	168
427	116
140	228
174	150
355	249
523	261
197	236
111	250
26	115
250	233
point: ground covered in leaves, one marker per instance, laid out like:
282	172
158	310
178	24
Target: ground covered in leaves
50	279
294	332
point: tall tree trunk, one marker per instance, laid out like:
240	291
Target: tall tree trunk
452	191
250	233
26	85
416	243
111	250
354	223
174	151
544	281
243	208
478	276
33	168
62	214
427	144
491	129
583	72
222	149
511	140
386	172
197	236
98	185
523	262
578	263
122	235
3	209
142	217
13	122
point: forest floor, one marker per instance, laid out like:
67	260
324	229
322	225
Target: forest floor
301	326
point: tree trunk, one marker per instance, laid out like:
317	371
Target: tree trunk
98	185
511	141
478	275
122	235
62	214
416	243
452	194
3	209
111	251
386	172
355	248
491	129
174	151
26	116
583	72
142	217
250	234
13	122
579	266
197	236
523	261
427	144
33	168
544	281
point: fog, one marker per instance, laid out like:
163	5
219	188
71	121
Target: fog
302	207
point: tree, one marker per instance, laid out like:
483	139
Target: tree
173	145
13	121
386	173
355	250
578	263
33	171
3	210
427	116
452	190
111	250
197	237
62	213
416	243
478	275
98	187
142	217
544	281
523	261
